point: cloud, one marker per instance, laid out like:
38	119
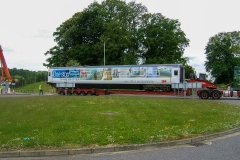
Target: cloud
197	64
41	33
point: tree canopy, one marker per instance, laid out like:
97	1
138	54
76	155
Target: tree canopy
222	54
23	76
189	72
131	36
162	40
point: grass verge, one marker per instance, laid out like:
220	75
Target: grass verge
35	88
57	122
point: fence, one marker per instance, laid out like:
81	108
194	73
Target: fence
183	86
24	90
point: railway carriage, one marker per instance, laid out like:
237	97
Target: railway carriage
141	77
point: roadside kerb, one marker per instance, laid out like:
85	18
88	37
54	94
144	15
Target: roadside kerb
42	153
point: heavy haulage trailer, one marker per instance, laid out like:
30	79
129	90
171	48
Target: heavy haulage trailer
157	79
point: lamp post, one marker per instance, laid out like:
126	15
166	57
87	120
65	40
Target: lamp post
104	50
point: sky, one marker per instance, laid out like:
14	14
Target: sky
27	26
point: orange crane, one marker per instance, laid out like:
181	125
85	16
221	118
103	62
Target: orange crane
4	68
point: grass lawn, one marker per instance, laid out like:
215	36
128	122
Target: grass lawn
57	122
34	88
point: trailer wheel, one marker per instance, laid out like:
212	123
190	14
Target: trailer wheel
216	94
75	93
204	95
89	93
62	93
82	93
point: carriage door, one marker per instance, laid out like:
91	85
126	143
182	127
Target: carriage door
175	75
50	76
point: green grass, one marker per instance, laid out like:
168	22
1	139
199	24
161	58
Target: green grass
57	122
34	87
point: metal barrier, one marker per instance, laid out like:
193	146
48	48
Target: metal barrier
184	86
24	90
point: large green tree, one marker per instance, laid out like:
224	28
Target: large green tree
128	32
222	54
82	37
162	40
77	38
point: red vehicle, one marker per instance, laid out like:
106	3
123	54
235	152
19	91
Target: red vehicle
208	89
212	90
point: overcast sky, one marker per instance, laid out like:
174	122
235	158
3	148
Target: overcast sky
26	26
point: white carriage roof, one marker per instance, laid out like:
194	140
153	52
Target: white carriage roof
112	66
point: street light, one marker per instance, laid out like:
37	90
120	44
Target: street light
104	50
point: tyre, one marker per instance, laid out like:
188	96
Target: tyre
89	93
75	93
204	95
216	94
82	93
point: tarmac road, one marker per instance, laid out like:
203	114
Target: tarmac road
233	100
230	100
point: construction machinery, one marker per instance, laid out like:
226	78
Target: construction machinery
4	67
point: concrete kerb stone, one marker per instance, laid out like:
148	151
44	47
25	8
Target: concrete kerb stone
9	154
103	149
80	151
147	146
211	136
125	148
237	130
198	139
43	153
162	144
183	141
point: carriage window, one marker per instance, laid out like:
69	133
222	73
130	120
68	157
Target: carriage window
49	74
175	72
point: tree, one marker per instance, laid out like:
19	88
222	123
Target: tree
72	63
58	57
136	11
162	40
22	76
125	30
41	76
189	72
115	14
76	38
222	54
81	38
